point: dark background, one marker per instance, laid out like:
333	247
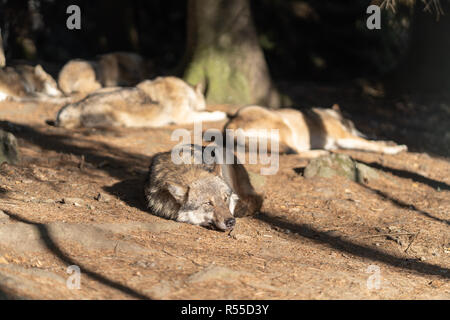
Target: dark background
302	40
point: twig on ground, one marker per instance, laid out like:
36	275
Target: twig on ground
384	235
412	240
176	256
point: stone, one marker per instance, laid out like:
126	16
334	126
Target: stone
365	173
340	165
103	197
73	201
9	151
330	166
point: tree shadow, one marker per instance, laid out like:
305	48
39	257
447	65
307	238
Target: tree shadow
405	205
409	175
6	296
363	251
53	247
98	154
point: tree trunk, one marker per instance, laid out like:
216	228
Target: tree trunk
224	55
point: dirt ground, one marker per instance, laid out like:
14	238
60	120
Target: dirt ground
76	200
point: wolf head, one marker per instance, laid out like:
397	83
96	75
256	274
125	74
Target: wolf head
208	202
68	116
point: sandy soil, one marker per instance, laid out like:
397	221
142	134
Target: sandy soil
314	239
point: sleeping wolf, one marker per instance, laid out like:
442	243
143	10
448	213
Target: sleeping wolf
203	194
152	103
108	70
23	81
303	131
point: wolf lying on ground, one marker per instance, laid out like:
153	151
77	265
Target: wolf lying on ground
152	103
302	131
201	194
109	70
24	81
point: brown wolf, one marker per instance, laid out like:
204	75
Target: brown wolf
152	103
302	131
24	81
108	70
201	194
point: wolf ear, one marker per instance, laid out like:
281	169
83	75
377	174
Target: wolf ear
234	198
336	107
177	191
199	88
39	71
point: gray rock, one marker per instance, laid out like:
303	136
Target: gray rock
340	165
77	202
330	166
103	197
365	173
9	151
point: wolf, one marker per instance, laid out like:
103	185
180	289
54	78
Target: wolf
108	70
152	103
23	81
205	194
300	132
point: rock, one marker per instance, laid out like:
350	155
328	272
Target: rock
9	151
103	197
73	201
144	264
330	166
365	173
340	165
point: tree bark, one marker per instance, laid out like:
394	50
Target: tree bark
224	55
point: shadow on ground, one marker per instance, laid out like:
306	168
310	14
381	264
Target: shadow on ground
349	247
52	247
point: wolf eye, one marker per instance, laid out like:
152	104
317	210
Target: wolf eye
209	203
